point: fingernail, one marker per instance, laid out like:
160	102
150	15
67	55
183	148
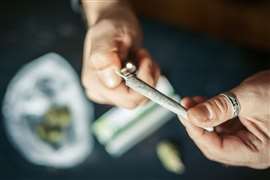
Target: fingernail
200	113
109	77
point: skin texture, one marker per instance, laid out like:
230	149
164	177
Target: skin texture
241	141
114	32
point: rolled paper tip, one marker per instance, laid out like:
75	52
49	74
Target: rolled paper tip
131	67
209	129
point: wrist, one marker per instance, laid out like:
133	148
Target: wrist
116	14
96	11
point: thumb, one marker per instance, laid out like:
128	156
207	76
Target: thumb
211	113
105	49
105	65
106	58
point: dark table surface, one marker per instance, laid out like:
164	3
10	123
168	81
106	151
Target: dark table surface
194	63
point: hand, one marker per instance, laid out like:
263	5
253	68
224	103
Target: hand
107	44
242	141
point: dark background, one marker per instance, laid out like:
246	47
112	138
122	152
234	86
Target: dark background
194	63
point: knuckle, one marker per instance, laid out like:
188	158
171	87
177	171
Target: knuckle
102	27
149	79
101	60
254	91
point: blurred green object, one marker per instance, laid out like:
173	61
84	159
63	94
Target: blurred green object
52	128
170	157
120	129
58	116
47	115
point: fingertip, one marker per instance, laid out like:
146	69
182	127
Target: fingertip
187	102
146	72
198	99
142	53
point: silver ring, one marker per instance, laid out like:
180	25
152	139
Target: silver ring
233	101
